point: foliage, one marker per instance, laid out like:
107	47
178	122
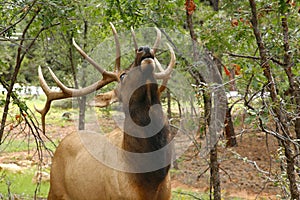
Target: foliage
228	34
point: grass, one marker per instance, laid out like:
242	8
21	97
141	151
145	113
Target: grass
180	194
18	145
20	185
56	111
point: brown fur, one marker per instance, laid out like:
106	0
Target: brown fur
76	174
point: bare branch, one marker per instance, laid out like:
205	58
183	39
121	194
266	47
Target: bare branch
21	19
256	58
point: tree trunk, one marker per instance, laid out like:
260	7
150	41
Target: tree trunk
214	167
214	174
82	105
215	4
294	89
82	100
281	116
294	86
290	170
297	125
229	130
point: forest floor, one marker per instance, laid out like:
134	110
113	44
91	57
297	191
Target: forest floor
244	170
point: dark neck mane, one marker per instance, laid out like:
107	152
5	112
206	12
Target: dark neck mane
139	113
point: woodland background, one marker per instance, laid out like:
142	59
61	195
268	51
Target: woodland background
254	45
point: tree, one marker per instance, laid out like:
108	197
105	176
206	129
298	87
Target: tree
277	108
30	13
235	29
277	54
261	38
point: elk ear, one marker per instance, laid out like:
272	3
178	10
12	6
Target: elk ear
104	99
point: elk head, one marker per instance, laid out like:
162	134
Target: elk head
141	72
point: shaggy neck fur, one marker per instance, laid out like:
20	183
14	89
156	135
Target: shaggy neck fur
139	113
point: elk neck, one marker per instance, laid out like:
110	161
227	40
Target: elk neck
139	113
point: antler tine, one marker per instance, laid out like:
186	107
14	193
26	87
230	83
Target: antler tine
118	51
66	92
89	59
158	64
134	39
43	113
47	90
165	80
50	95
157	41
166	73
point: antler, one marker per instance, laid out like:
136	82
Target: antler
165	74
134	39
66	92
138	53
156	43
118	51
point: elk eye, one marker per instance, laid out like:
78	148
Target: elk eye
122	76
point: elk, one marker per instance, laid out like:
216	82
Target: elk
75	173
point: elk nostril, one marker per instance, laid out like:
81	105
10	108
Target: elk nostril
144	52
147	50
140	49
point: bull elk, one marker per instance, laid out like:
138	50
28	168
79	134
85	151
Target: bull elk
75	173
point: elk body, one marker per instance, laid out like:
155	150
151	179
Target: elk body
76	174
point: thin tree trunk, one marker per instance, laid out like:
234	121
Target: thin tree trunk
82	100
214	173
294	89
19	60
71	59
282	119
229	130
215	4
79	99
214	167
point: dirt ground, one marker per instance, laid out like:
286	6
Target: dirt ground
243	169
